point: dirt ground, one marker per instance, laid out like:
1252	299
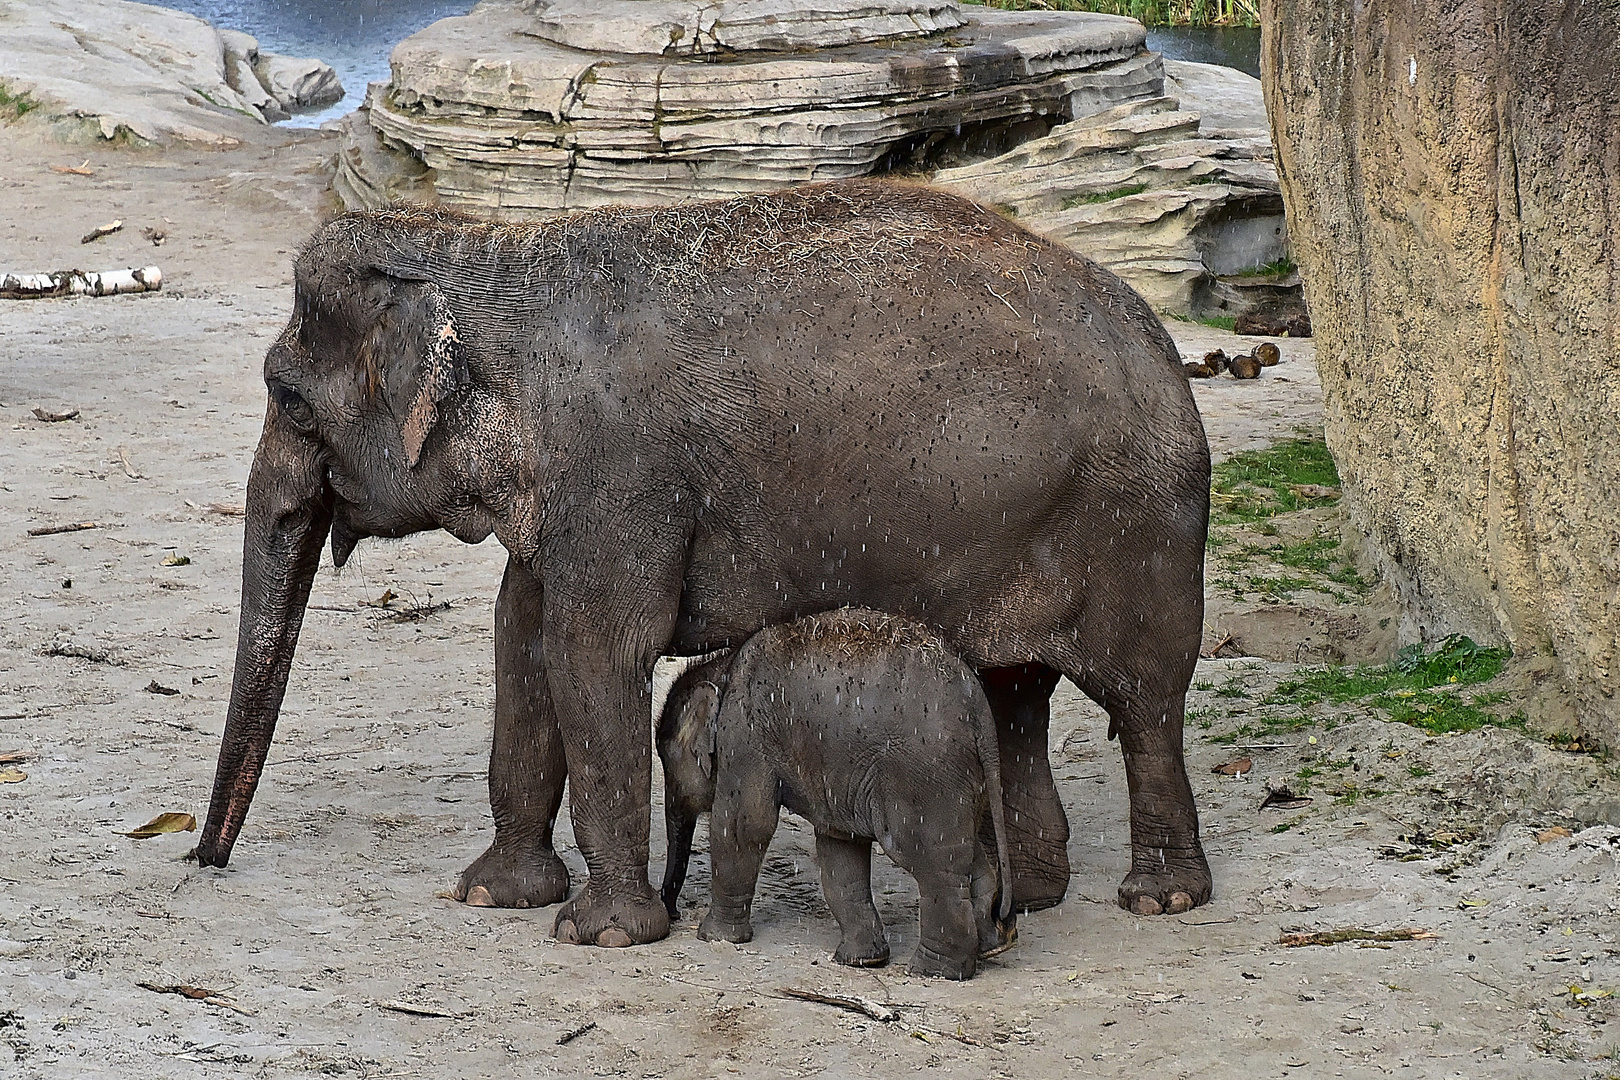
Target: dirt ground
330	926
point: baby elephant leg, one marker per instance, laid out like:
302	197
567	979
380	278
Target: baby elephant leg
846	878
948	939
740	829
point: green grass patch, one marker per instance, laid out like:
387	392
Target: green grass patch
1281	268
15	105
1259	484
1102	196
1419	688
1221	322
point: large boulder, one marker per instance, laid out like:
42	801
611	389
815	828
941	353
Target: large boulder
1175	193
116	69
1450	178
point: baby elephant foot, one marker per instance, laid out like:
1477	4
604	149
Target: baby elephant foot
716	927
926	961
998	937
1168	890
862	950
620	918
514	876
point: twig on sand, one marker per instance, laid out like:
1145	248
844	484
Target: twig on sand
1298	939
75	526
864	1006
569	1036
419	1010
196	993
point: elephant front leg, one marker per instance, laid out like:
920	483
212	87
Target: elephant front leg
1169	872
1037	827
948	937
740	829
846	879
527	767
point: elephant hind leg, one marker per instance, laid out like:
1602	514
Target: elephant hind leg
1169	873
846	879
1037	827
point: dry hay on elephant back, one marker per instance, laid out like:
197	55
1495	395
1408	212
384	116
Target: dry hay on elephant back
868	233
855	632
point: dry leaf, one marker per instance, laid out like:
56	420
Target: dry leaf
196	993
1315	491
83	169
155	687
54	417
12	775
16	756
164	823
1557	832
1235	767
388	597
176	560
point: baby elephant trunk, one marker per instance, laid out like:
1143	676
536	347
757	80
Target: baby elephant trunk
984	731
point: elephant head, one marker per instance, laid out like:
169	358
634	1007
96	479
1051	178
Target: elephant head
686	746
378	423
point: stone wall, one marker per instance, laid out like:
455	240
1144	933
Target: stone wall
1452	180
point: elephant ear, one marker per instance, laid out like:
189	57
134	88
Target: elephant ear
697	726
423	360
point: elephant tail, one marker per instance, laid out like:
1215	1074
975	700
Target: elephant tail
984	732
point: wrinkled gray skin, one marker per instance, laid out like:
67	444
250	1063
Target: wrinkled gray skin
689	423
869	728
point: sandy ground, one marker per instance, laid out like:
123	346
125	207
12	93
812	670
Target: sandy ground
331	917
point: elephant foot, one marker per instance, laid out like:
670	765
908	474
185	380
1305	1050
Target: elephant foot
617	920
926	961
1040	861
1177	886
717	928
514	876
863	951
998	937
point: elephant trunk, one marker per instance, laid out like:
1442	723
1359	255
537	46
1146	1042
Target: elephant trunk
681	821
289	512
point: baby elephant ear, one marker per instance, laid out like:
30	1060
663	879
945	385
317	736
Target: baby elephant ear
699	722
427	361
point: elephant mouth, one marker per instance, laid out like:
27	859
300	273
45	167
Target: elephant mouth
344	537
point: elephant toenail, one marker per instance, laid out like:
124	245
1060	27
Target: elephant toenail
478	896
566	932
1179	902
521	903
1146	905
614	938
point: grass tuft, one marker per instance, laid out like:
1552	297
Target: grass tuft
1260	484
15	105
1151	12
1102	196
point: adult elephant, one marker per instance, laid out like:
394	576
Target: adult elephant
688	423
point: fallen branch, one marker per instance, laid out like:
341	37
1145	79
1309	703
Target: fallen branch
80	283
102	230
864	1006
569	1036
418	1010
52	530
1299	939
196	993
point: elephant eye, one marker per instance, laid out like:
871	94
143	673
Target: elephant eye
293	406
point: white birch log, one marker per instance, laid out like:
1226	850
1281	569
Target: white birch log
80	283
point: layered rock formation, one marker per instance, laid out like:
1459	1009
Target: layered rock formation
1451	178
1062	118
532	108
149	73
1175	193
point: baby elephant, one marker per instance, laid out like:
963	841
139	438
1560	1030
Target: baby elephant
868	726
